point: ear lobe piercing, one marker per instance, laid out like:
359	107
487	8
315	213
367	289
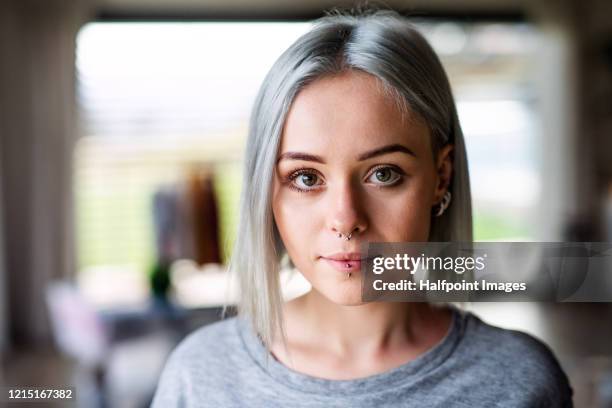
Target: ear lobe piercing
444	204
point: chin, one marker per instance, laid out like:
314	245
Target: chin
347	296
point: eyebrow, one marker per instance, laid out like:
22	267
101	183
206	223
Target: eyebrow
364	156
386	150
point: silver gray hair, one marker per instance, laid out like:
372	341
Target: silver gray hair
384	45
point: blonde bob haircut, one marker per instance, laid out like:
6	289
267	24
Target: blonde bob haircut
383	44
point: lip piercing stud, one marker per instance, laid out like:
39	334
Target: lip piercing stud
348	275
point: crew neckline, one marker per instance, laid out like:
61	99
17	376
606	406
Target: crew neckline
405	374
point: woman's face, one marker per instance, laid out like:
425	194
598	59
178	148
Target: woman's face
349	160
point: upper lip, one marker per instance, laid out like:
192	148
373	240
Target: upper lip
346	256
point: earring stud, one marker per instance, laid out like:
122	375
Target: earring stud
444	204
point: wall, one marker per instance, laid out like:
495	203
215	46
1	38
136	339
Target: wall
37	127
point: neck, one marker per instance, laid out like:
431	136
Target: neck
372	328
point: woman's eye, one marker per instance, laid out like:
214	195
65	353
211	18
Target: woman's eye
305	180
309	180
384	176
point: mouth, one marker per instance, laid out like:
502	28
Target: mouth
346	261
344	266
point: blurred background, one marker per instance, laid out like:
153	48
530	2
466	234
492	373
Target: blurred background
122	128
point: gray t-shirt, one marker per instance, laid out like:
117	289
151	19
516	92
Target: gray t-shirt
475	365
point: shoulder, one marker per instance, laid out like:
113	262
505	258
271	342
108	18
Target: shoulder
516	358
505	345
208	355
207	346
212	335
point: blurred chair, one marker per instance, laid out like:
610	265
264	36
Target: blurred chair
114	370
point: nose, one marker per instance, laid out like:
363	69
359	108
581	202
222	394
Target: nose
346	213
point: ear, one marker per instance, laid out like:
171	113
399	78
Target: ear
444	172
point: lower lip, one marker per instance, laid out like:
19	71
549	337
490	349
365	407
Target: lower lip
344	266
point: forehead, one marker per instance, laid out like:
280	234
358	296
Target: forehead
351	109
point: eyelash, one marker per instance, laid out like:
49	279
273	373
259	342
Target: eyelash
295	174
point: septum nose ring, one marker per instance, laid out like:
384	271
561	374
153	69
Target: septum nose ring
349	236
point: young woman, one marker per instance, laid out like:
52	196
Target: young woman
354	138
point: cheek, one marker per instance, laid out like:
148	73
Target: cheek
406	216
294	220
